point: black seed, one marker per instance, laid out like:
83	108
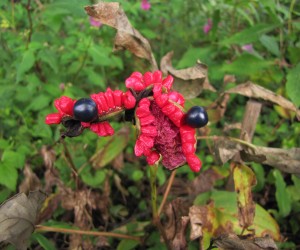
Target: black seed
85	110
196	117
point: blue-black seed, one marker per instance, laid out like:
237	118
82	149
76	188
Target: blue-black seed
196	117
85	110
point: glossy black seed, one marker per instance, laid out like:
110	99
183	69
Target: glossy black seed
196	117
85	110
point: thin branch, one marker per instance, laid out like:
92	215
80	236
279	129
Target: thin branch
28	8
171	179
41	228
215	137
71	163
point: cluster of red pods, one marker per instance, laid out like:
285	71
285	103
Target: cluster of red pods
165	131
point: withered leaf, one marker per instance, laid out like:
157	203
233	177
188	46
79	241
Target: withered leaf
127	37
244	180
176	224
225	149
31	182
286	160
232	241
190	81
252	90
18	216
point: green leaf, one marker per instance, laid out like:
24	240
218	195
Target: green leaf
26	64
50	58
270	43
264	224
127	244
260	176
246	65
282	197
94	180
292	84
249	35
43	241
8	176
244	180
13	159
39	102
113	147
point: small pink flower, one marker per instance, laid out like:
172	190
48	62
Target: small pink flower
145	5
94	22
248	48
208	26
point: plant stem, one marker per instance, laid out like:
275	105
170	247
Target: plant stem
171	179
28	8
290	27
153	172
41	228
155	214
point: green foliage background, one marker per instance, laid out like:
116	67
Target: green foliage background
55	51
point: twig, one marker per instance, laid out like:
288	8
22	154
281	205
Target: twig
71	163
41	228
171	179
214	137
30	23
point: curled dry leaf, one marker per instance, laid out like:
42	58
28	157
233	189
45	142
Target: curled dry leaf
225	149
286	160
127	37
244	180
31	182
252	90
232	241
189	82
18	216
176	225
48	155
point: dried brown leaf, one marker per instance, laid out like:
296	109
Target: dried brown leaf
48	155
190	81
204	182
225	149
127	37
217	109
286	160
252	90
18	216
233	242
31	182
176	225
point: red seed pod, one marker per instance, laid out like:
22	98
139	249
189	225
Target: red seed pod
135	81
157	76
153	158
109	98
102	128
128	100
117	94
176	97
168	82
64	105
148	78
53	119
194	162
